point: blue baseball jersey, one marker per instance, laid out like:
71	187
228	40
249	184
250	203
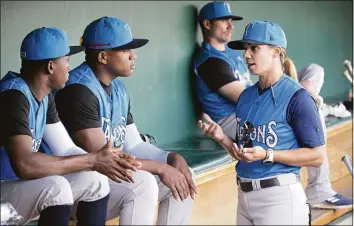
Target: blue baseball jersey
268	114
37	119
113	109
213	103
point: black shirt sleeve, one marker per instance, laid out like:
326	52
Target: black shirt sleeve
216	73
13	115
78	108
52	113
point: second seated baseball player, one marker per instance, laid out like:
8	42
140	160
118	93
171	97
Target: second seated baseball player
95	106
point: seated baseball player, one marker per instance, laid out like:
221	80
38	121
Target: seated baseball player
41	185
95	106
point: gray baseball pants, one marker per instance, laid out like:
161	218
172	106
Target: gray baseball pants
136	203
30	197
319	187
278	205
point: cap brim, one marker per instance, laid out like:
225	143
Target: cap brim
241	44
136	43
225	17
75	50
231	17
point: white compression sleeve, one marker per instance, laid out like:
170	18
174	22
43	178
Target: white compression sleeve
132	137
59	141
135	146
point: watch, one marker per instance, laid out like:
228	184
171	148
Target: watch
269	159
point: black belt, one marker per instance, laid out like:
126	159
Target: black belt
266	183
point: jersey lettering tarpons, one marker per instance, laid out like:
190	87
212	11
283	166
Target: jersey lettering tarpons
117	133
264	134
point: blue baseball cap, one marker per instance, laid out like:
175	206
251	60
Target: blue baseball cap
110	33
217	10
261	32
47	43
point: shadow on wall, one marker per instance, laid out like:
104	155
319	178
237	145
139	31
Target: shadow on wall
196	106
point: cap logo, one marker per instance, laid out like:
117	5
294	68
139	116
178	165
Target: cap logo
128	28
227	5
247	27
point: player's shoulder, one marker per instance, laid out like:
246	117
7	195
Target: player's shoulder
74	92
215	63
302	95
13	96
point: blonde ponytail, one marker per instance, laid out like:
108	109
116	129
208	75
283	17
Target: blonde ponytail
289	68
288	65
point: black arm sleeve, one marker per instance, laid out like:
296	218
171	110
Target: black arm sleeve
52	113
13	115
216	73
78	108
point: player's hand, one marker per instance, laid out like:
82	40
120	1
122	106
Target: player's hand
253	154
179	163
211	128
237	152
175	181
128	157
115	164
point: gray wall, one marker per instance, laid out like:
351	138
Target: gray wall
160	90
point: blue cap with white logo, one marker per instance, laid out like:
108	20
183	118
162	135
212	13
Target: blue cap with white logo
110	33
261	32
217	10
47	43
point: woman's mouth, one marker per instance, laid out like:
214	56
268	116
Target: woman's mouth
250	65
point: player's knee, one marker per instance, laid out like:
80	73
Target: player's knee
55	191
147	185
90	186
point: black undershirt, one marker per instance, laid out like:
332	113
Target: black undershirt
14	114
216	73
79	109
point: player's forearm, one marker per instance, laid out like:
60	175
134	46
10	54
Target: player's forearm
154	167
301	157
227	143
147	151
40	165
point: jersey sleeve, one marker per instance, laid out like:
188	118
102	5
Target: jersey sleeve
78	108
52	113
216	73
304	118
13	115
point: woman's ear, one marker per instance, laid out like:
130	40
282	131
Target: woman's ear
277	52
